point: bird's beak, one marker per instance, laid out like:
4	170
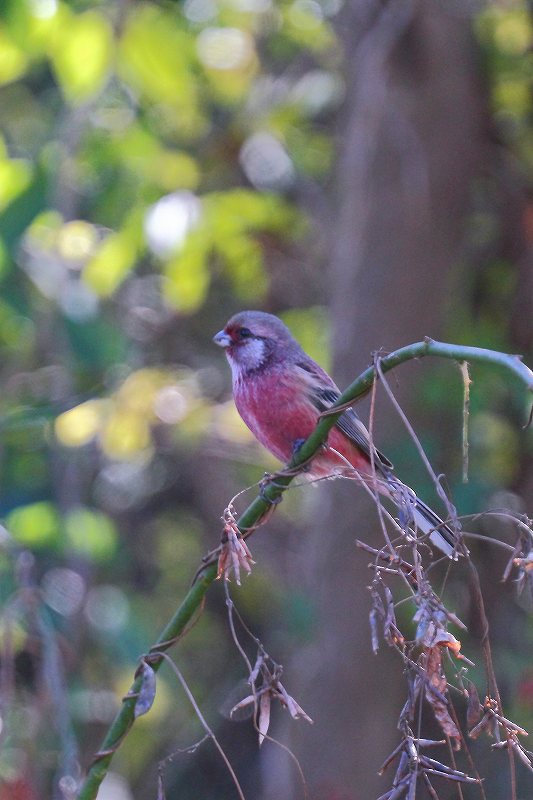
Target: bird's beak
222	339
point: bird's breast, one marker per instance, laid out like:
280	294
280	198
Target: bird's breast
276	410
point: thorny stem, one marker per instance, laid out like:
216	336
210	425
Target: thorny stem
263	503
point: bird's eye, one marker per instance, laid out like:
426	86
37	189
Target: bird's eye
244	333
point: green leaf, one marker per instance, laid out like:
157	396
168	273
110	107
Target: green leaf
156	57
13	60
81	55
91	533
243	262
188	275
34	525
113	261
239	210
15	176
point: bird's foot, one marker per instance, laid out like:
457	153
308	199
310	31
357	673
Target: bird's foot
297	446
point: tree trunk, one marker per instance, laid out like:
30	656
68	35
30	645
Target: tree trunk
413	138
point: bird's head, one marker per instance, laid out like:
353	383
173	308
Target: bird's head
252	339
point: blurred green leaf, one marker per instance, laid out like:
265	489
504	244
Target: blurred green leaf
34	525
112	262
156	58
13	61
91	534
311	328
81	55
15	176
187	274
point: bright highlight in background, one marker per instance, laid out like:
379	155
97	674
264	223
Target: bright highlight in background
225	48
168	221
266	162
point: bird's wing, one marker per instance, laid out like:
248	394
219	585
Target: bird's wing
323	394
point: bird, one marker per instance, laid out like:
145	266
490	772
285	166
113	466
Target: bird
280	392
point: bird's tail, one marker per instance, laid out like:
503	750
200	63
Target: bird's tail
415	513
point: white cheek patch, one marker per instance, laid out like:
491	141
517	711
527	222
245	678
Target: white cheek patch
254	353
247	357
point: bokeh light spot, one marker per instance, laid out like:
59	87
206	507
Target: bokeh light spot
35	525
76	241
168	222
63	590
91	533
43	9
266	162
225	48
107	608
79	425
170	405
200	11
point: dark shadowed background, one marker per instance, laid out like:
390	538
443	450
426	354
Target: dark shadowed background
362	169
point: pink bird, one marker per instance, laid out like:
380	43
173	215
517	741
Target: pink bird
280	392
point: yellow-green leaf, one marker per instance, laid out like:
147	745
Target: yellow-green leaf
34	525
13	61
188	276
81	55
155	56
111	264
90	533
15	175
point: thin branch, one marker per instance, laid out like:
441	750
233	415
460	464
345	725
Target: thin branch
253	677
205	725
486	649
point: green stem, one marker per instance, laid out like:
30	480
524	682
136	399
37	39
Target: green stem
126	716
274	489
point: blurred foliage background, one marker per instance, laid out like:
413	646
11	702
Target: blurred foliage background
162	165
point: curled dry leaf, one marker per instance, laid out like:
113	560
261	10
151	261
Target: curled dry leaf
445	639
523	755
260	700
295	710
146	694
391	631
511	726
385	611
373	620
234	554
414	764
259	661
431	631
525	568
402	769
436	694
526	563
242	704
474	708
263	718
492	721
487	723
